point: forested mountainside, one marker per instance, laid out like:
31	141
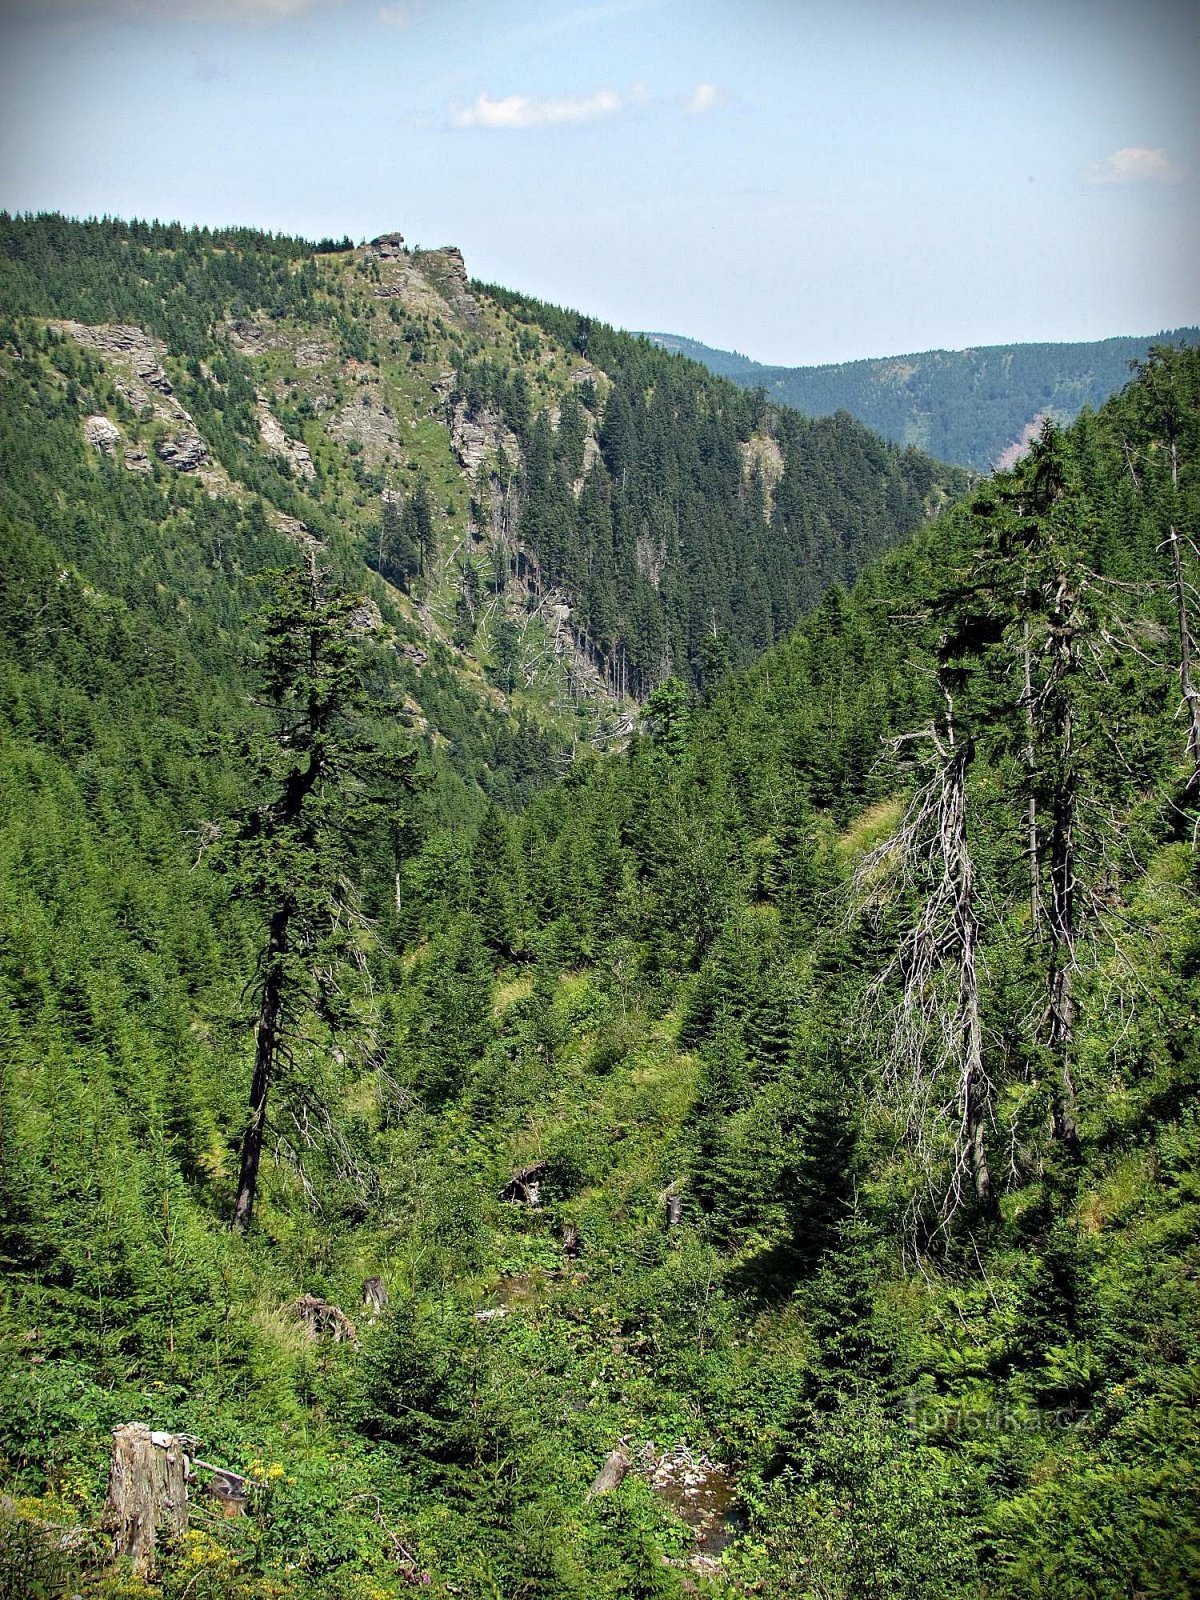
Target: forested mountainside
978	407
762	1160
575	510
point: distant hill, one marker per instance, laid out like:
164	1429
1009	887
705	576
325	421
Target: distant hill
974	407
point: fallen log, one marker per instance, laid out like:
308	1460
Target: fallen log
322	1319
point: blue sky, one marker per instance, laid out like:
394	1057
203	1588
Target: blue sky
801	182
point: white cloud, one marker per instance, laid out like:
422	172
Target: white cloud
704	97
177	10
534	111
1135	164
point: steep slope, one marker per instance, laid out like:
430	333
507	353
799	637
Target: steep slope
978	407
596	1082
578	524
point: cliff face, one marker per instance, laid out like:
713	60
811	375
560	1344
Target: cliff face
603	506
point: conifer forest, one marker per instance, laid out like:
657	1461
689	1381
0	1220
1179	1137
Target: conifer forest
599	979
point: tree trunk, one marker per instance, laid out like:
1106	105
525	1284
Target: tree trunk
268	1035
1031	812
1191	697
147	1493
973	1079
1060	1038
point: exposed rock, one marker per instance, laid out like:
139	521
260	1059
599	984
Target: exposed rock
185	452
761	453
141	349
365	618
255	336
1013	452
293	528
402	278
136	357
371	424
447	271
102	433
387	247
270	431
136	349
157	379
650	556
136	459
476	439
414	653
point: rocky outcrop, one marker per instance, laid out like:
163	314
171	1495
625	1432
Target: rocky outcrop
447	271
185	451
366	617
369	423
388	247
255	336
139	349
292	528
760	453
479	438
270	431
102	434
136	460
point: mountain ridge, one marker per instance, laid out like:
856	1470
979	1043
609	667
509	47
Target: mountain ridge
975	406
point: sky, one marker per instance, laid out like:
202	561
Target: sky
801	182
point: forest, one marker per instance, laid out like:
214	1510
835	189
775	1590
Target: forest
970	406
726	1130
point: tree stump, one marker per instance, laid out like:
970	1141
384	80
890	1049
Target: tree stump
147	1493
611	1474
524	1187
375	1295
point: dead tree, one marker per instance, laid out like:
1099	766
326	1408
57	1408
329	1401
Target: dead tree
934	1070
1054	712
1187	688
1166	416
147	1500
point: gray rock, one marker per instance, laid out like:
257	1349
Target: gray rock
185	452
387	247
103	434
